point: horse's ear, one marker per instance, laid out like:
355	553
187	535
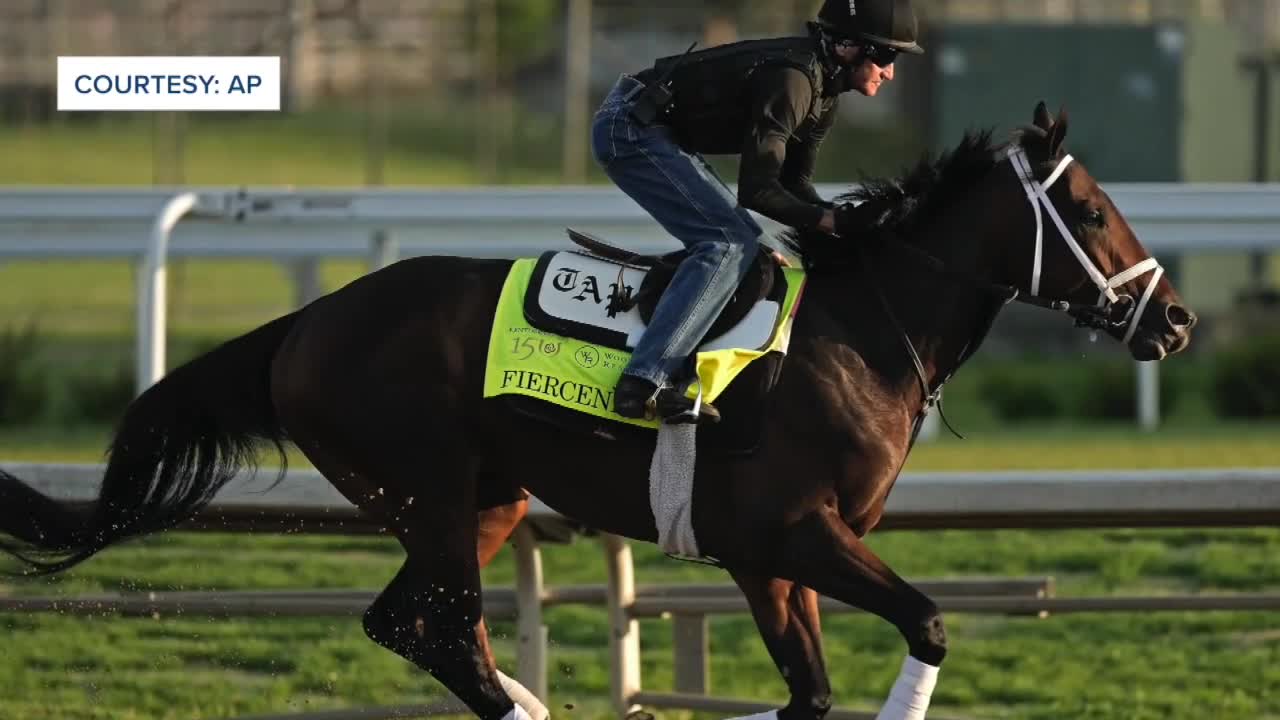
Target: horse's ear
1058	133
1042	118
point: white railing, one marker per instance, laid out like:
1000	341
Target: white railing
504	222
384	224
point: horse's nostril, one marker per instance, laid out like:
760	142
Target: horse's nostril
1179	317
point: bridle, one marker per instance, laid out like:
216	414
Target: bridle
1112	312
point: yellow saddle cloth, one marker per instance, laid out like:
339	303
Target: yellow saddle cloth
569	291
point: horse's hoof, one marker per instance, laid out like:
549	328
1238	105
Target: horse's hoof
639	715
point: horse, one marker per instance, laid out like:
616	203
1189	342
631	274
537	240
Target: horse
379	385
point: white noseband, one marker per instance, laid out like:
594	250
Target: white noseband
1037	194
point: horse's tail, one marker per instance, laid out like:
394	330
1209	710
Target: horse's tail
177	445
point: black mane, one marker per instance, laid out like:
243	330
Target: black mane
896	206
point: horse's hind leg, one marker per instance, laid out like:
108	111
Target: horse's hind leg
431	612
822	552
382	500
495	525
787	616
507	506
428	616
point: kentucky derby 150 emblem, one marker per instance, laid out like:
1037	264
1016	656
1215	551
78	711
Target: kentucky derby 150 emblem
526	347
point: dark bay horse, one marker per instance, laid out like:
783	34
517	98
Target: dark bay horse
379	384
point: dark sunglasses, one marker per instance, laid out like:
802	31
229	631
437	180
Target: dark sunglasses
881	55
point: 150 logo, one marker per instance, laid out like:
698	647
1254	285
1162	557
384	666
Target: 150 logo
526	347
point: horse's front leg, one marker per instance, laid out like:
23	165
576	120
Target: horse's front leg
787	616
821	552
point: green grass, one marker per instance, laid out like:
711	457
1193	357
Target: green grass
1171	665
259	154
1067	446
1148	665
424	145
207	298
428	140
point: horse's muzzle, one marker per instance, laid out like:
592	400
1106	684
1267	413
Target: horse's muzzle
1163	333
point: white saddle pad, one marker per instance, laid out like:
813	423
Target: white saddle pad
569	294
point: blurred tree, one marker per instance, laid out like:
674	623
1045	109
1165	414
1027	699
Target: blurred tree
724	20
526	30
720	23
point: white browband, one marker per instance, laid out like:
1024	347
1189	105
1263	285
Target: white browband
1037	195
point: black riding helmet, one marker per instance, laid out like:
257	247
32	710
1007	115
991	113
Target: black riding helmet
889	23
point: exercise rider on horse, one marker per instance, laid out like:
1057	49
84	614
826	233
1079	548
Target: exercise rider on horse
770	101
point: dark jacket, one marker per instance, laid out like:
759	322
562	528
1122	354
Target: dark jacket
776	123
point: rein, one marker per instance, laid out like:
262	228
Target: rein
1112	312
1090	316
931	397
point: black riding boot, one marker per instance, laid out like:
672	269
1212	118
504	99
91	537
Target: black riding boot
635	397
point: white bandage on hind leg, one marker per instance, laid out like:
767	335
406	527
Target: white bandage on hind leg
909	698
771	715
517	713
523	699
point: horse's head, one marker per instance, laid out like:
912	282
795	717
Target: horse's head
1071	248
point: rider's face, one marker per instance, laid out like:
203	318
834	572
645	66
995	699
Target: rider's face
867	76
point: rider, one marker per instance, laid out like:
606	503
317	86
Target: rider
770	101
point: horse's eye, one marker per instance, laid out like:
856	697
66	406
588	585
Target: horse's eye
1094	218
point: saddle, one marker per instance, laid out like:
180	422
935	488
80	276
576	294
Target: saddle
601	294
756	285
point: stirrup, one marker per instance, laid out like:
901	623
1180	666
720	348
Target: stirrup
676	409
664	403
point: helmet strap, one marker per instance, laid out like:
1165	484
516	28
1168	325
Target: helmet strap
838	75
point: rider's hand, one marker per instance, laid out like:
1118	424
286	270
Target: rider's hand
828	222
848	220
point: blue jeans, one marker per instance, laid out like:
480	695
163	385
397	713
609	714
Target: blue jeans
682	192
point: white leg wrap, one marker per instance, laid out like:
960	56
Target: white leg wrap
909	698
517	713
525	701
771	715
